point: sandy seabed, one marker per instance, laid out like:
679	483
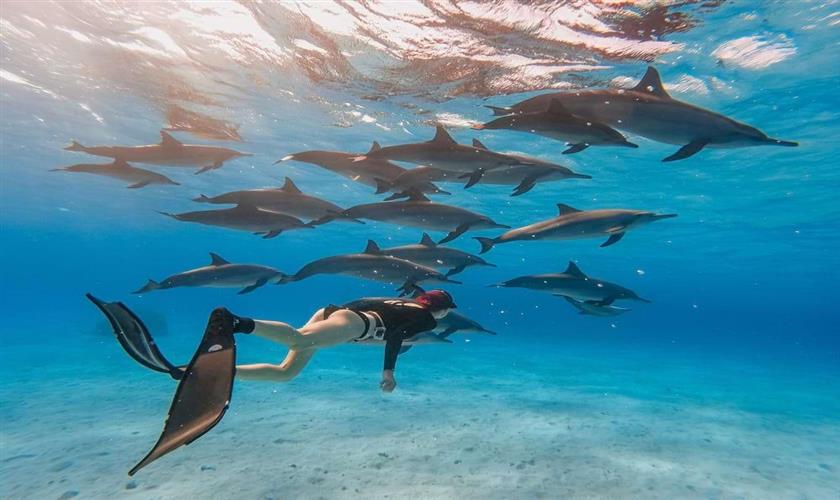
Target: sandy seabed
482	419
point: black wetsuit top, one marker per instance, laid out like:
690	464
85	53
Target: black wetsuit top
402	319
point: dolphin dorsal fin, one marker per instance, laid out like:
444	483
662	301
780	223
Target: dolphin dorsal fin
563	209
478	145
374	147
427	241
556	107
166	139
290	187
372	248
216	260
574	270
415	195
651	83
443	137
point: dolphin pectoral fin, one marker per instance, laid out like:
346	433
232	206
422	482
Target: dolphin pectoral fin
526	185
601	303
473	178
613	239
454	234
576	148
456	270
139	185
214	166
271	234
689	149
404	349
249	289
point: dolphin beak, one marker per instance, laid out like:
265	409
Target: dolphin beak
644	300
500	226
778	142
629	144
663	216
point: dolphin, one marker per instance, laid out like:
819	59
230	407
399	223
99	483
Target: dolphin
170	152
444	153
572	224
120	169
559	123
218	274
244	218
371	265
458	323
287	200
595	309
429	253
374	172
419	212
524	177
647	110
575	284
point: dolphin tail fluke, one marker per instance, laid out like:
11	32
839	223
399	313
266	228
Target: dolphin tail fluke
486	243
576	148
408	288
499	110
148	287
75	146
690	149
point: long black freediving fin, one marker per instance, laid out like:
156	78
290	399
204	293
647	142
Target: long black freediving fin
202	397
134	337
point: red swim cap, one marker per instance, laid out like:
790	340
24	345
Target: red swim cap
436	300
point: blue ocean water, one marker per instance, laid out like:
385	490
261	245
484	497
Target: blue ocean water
725	386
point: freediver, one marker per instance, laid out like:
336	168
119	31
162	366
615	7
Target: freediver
205	385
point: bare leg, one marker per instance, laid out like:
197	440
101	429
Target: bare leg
342	326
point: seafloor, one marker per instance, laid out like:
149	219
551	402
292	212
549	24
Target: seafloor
489	418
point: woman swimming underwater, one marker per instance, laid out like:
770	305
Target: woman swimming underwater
206	384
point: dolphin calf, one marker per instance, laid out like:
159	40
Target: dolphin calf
371	171
170	152
244	218
595	309
120	169
458	323
218	274
575	284
419	212
430	254
444	153
288	200
572	224
557	122
649	111
371	265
